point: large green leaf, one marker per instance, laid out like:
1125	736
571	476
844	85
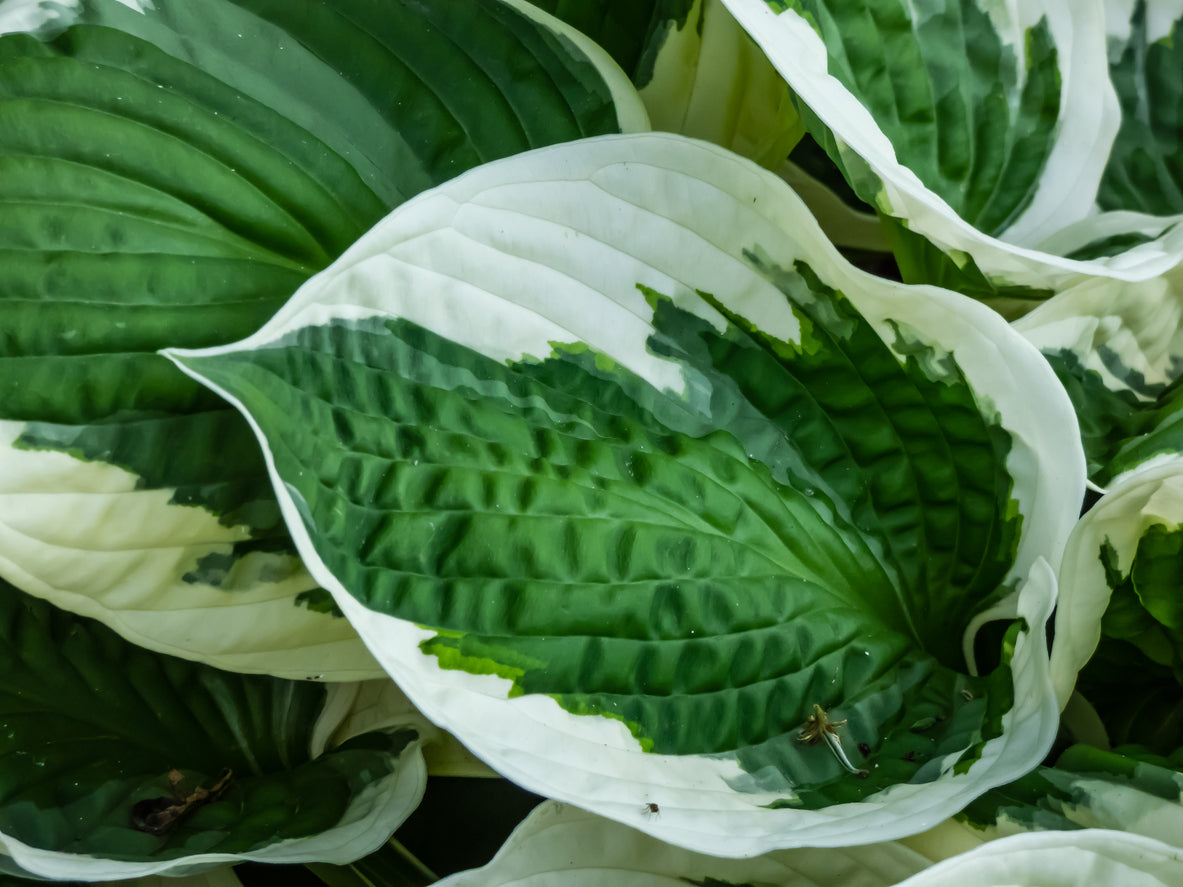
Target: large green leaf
98	736
1134	680
611	430
169	177
981	129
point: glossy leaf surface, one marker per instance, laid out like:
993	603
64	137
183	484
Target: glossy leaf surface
608	442
119	762
169	177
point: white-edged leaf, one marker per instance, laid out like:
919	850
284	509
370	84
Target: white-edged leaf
1124	790
1083	858
470	420
117	763
711	81
1118	349
698	73
170	172
561	845
983	128
1098	561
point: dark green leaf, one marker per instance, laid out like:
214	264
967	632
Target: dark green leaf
92	729
959	109
1145	168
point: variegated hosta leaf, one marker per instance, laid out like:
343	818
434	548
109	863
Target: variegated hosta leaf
1086	858
169	177
116	762
983	129
560	845
1140	195
381	705
1125	790
698	72
633	33
1145	168
621	470
1118	349
1119	625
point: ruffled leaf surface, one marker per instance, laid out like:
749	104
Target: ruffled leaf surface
622	471
1118	350
561	845
983	130
106	750
1127	789
1119	624
169	177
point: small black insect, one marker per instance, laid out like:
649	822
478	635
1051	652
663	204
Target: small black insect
650	809
864	749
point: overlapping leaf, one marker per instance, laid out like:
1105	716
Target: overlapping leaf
698	72
106	749
566	846
984	130
621	470
1119	628
1144	172
1118	350
169	177
1127	789
1092	857
557	845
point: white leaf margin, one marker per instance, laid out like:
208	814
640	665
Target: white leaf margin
558	845
1061	217
372	816
522	227
1084	858
127	570
1140	322
631	113
1148	495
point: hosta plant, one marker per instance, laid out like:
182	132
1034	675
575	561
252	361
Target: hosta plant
639	488
169	175
350	339
1015	148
